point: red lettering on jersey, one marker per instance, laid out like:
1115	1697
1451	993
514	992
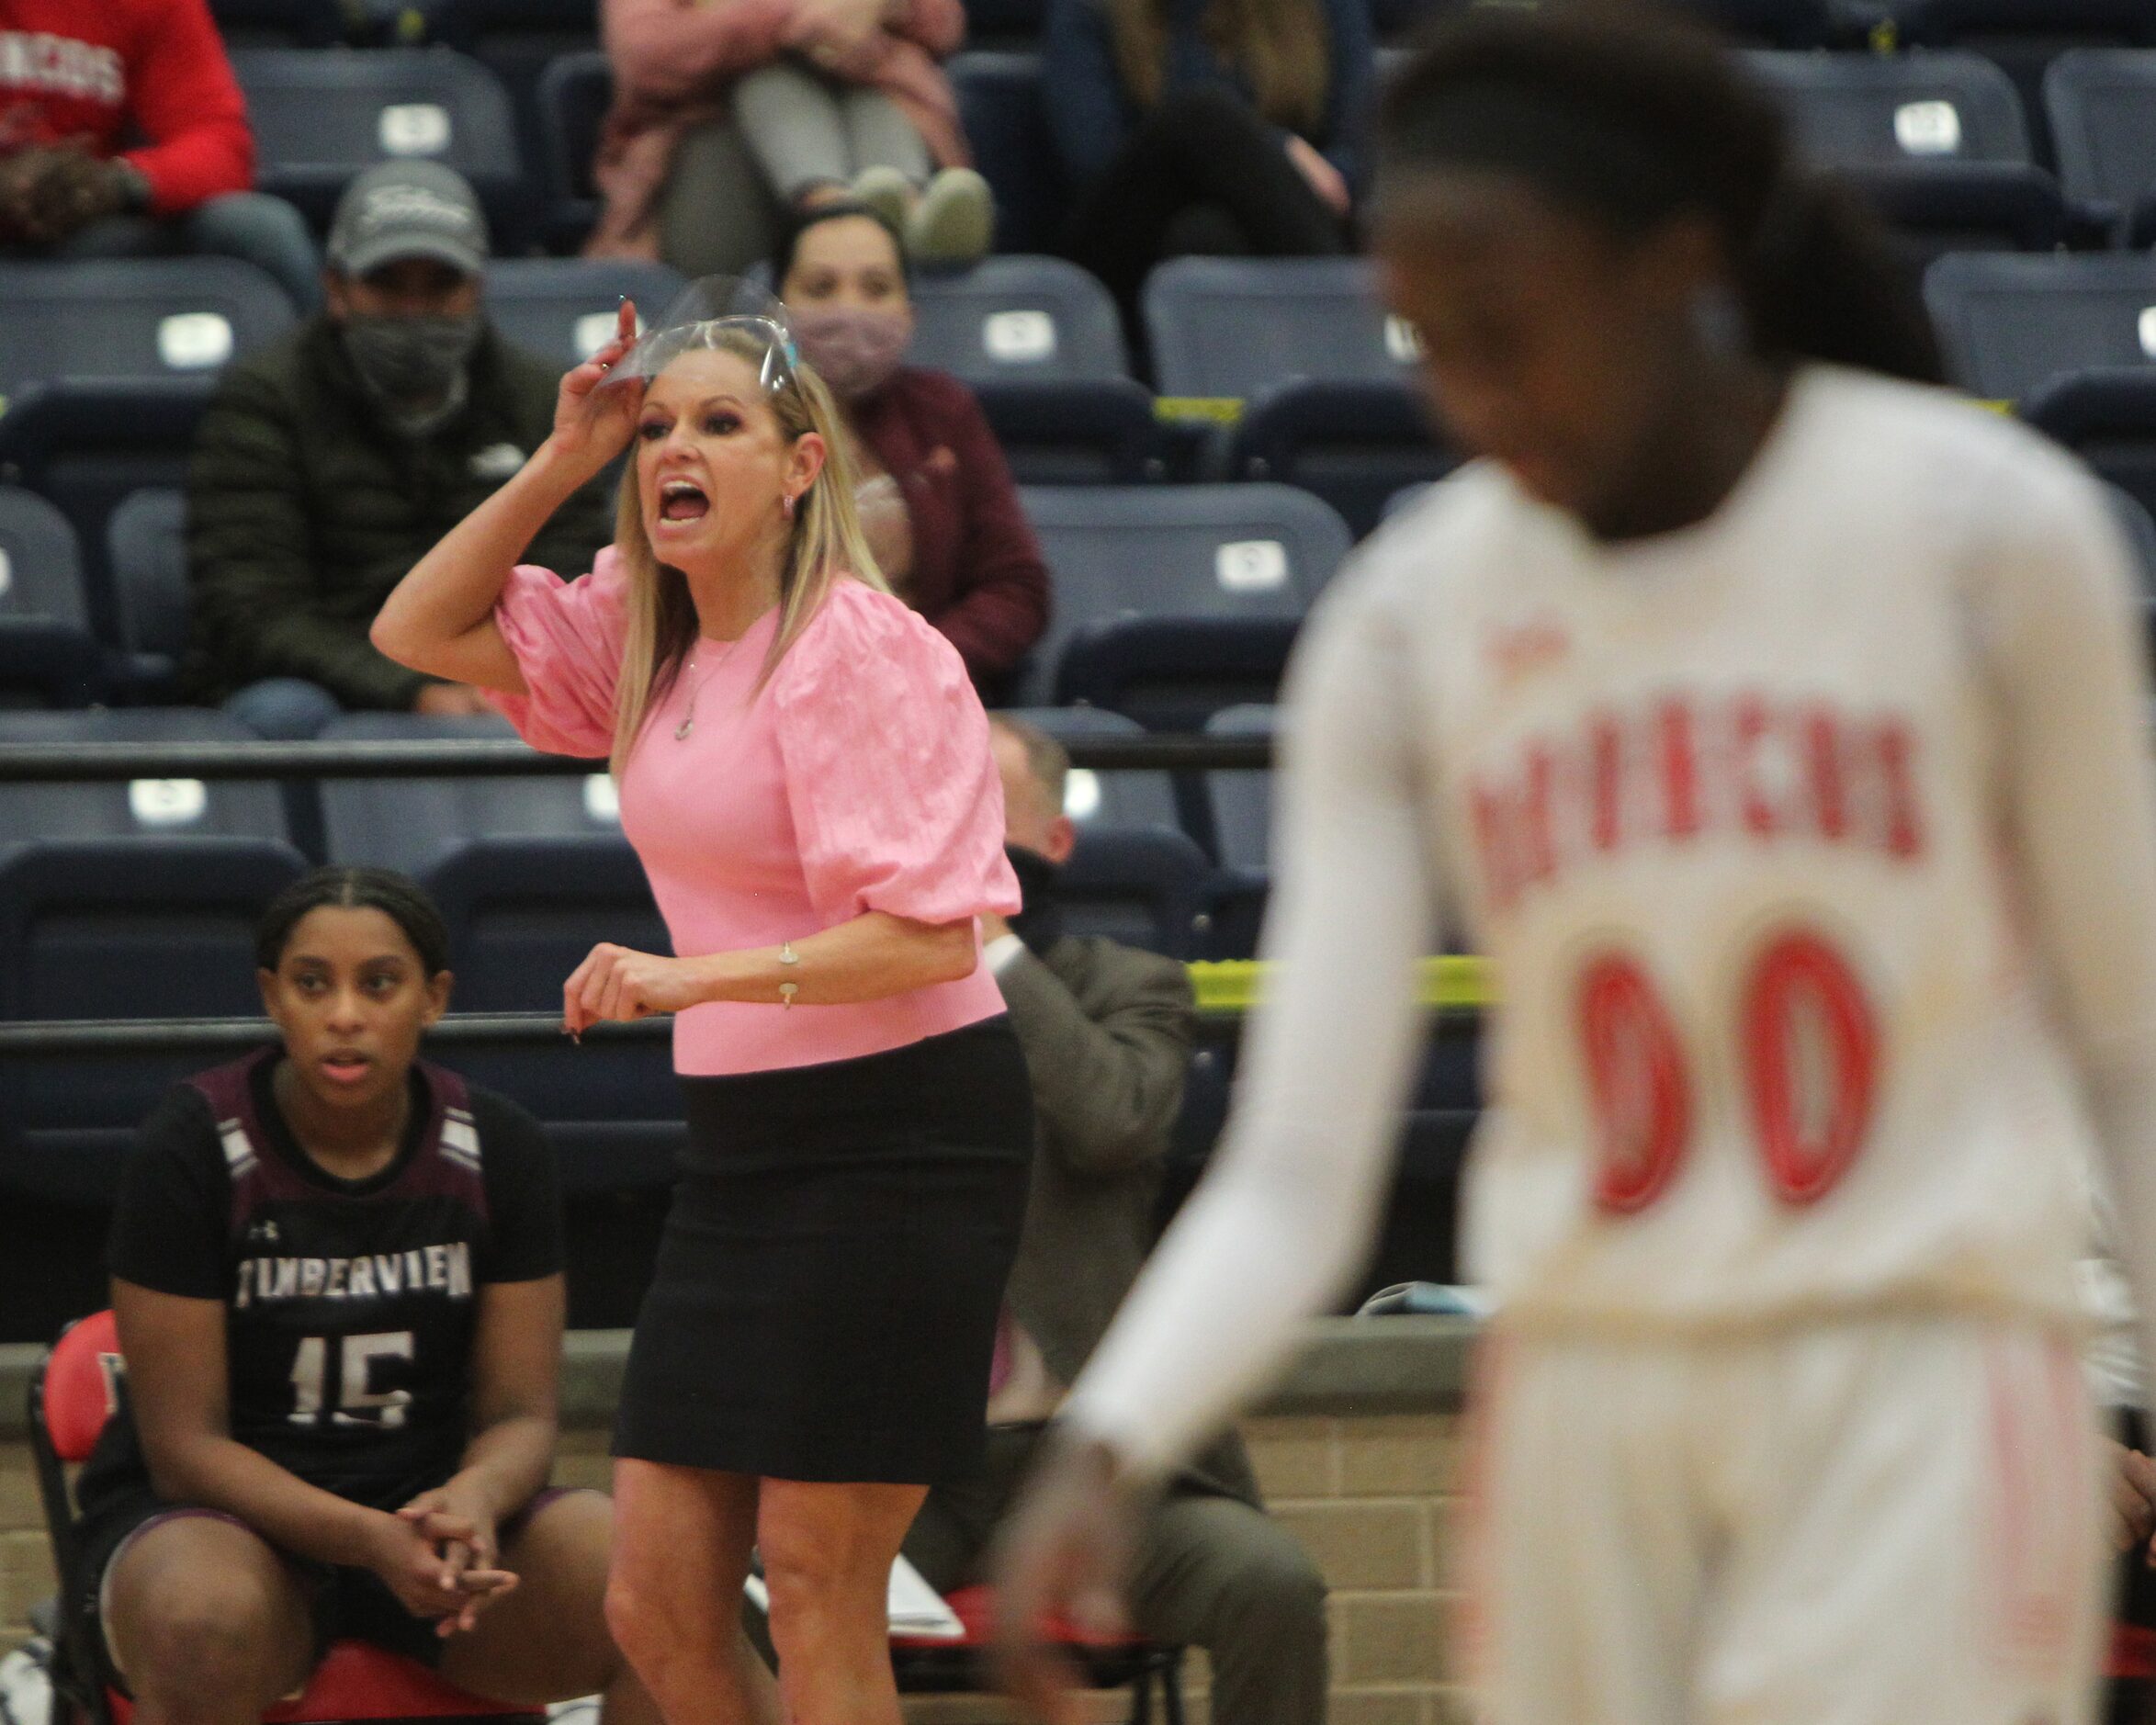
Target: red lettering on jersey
1752	725
1896	747
1537	845
1823	760
1493	841
1606	775
1679	769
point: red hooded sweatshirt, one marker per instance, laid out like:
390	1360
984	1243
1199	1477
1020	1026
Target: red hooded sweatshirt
149	74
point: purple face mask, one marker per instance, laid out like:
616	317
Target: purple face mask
852	349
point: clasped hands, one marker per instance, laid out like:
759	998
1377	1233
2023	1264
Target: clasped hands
438	1555
49	191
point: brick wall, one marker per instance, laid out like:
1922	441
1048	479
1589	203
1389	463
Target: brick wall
1369	1497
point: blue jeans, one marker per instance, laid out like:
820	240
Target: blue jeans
284	709
251	226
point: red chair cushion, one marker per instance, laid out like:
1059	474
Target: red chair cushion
356	1680
975	1608
2133	1651
79	1379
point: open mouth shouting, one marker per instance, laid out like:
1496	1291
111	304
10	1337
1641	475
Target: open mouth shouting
346	1066
683	500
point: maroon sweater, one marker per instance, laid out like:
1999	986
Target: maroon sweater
977	573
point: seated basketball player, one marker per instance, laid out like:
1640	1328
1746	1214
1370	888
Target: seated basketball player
337	1275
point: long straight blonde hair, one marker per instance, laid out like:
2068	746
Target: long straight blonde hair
827	545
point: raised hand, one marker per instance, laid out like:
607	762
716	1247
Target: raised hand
595	411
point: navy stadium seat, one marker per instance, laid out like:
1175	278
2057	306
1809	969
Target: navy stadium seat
320	117
1027	318
1234	327
86	444
563	309
144	809
1142	886
1000	105
2010	324
1240	802
2108	418
574	93
1935	207
1172	602
1926	106
133	318
2102	108
47	651
1778	23
2025	36
517	41
1355	444
146	552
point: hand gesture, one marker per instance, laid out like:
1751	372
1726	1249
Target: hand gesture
595	412
2133	1498
615	982
1064	1553
1318	173
436	1575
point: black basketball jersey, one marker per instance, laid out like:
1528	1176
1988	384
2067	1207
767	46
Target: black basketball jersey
350	1306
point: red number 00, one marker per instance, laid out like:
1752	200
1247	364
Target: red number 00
1811	1057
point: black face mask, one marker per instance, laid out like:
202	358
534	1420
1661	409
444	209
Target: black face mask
1040	924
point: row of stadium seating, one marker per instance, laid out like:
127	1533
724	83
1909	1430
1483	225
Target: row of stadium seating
1944	138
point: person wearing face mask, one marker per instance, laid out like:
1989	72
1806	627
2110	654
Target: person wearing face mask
329	462
936	497
1107	1032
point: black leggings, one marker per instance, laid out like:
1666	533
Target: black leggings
1201	175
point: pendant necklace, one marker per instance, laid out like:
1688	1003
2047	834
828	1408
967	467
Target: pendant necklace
688	724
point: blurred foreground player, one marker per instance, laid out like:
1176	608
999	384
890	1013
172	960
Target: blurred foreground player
1775	726
337	1274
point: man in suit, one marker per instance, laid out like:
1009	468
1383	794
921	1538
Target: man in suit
1107	1031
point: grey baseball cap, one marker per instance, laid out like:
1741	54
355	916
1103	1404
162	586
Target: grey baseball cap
399	210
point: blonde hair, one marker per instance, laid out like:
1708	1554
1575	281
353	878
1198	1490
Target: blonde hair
1281	47
827	545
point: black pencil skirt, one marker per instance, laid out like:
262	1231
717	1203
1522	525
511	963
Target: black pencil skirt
824	1301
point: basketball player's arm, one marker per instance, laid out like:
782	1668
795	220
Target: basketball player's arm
516	1374
175	1348
439	619
2068	652
1284	1216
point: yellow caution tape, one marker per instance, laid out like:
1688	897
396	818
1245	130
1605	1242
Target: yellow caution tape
1453	985
1219	410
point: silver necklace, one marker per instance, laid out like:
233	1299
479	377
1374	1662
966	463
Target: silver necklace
688	724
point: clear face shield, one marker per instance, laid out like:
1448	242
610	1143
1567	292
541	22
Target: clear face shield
718	314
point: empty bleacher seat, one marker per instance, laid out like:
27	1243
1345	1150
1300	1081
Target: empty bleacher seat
144	809
133	318
88	444
1142	886
1355	444
2102	106
320	117
1000	105
146	553
573	94
564	309
2023	37
517	41
1233	327
1172	602
278	23
1925	106
1777	23
1936	207
1028	319
2010	324
2108	418
47	651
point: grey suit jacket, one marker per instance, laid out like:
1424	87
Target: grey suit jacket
1108	1032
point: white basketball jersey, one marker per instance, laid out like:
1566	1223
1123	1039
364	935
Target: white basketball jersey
1723	808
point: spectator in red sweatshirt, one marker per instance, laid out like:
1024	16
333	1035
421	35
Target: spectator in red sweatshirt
123	134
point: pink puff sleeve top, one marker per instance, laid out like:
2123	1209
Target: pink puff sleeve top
858	778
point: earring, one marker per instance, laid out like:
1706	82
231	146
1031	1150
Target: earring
786	504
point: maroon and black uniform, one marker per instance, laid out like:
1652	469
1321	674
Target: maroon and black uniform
350	1305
